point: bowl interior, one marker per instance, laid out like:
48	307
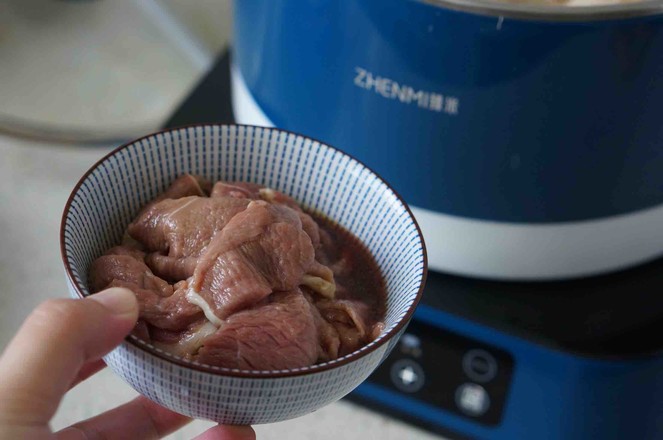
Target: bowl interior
321	178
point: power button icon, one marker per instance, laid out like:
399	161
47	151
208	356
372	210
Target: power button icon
479	365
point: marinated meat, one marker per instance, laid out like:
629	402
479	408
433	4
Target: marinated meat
253	191
275	336
128	270
351	321
238	275
260	250
173	227
186	185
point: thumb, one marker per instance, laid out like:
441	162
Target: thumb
55	341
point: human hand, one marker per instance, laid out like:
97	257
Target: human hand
61	344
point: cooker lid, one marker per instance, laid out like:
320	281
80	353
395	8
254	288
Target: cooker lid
555	10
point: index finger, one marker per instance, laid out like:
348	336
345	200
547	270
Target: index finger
43	359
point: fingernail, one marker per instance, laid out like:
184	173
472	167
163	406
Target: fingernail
118	300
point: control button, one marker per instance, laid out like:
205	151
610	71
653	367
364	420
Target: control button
472	399
407	376
479	365
410	345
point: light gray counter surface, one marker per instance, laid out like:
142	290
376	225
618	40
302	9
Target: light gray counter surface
35	180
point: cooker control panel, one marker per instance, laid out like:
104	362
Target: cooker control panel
449	371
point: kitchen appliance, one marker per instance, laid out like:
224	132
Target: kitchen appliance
525	135
556	360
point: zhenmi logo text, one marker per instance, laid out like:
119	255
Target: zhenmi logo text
391	89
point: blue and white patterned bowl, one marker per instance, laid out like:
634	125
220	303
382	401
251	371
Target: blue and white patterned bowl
112	192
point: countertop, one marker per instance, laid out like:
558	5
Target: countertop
35	180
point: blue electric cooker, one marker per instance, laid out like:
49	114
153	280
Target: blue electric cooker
513	360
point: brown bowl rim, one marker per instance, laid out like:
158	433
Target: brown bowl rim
317	368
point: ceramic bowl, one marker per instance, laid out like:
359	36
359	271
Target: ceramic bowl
321	178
